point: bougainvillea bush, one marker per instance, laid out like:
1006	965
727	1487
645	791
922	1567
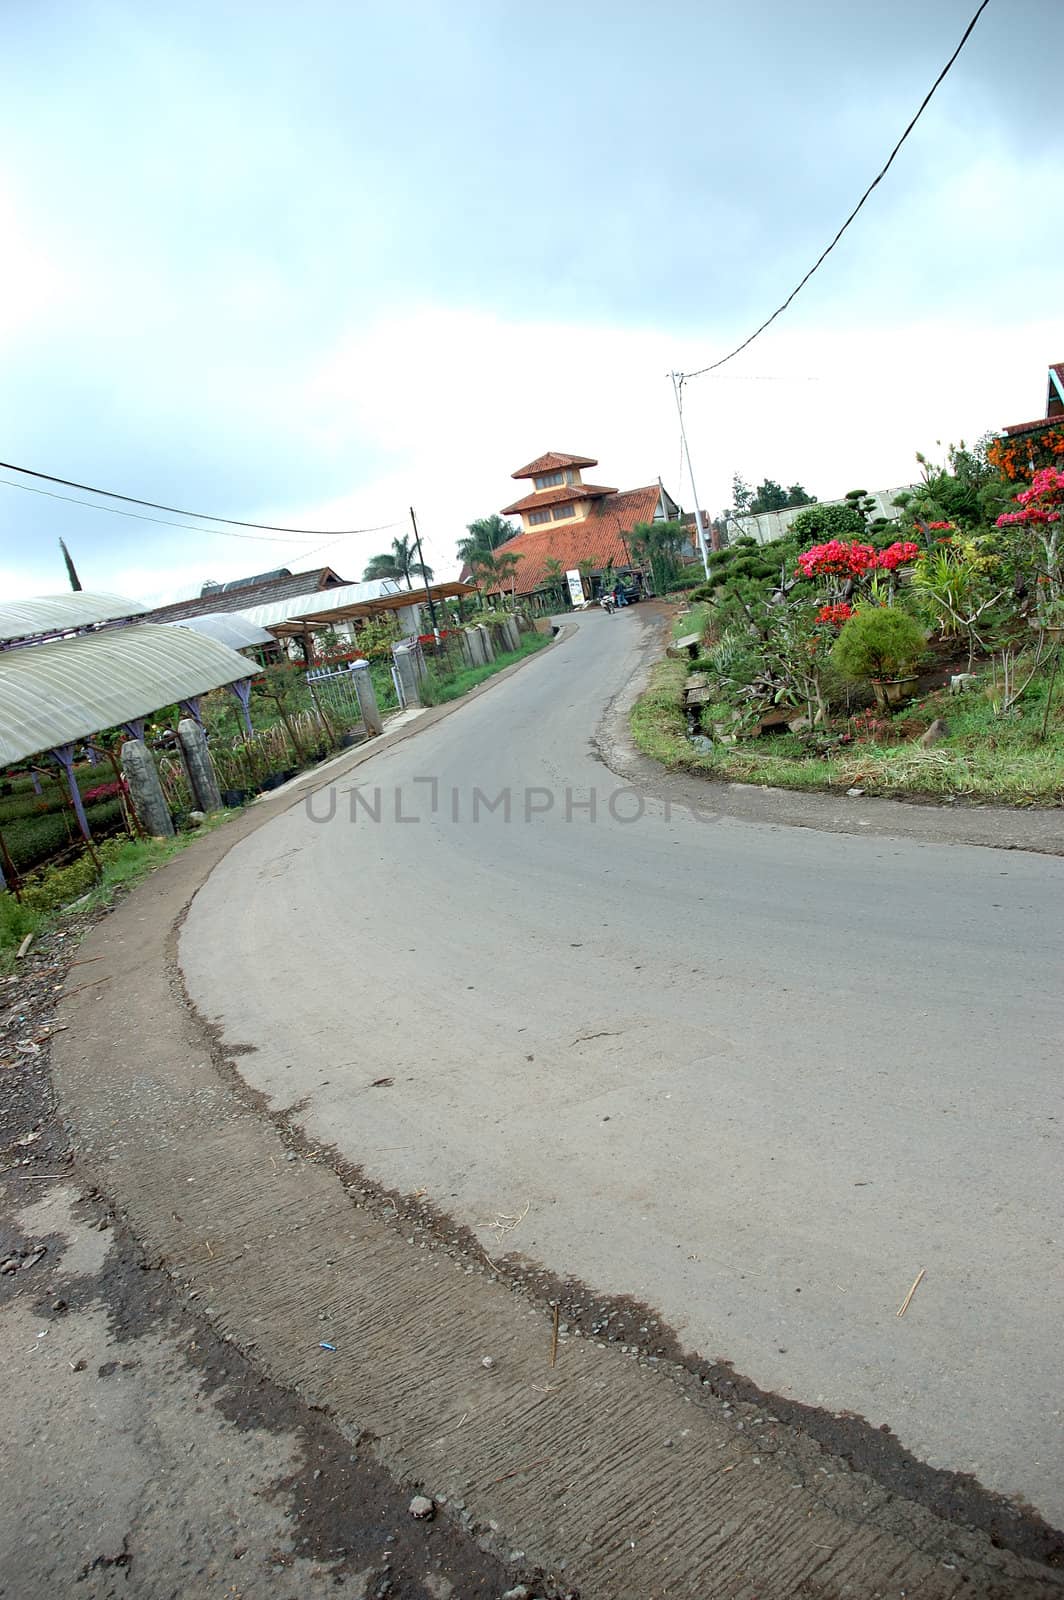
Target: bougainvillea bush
1038	523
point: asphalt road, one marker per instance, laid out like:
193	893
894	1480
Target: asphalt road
755	1076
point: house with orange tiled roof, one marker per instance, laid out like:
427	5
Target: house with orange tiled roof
577	525
1023	446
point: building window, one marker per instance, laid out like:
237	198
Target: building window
561	512
538	516
550	480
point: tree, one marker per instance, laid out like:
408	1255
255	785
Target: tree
506	572
483	536
554	573
770	496
398	563
742	494
820	523
657	545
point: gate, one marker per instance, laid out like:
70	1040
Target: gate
334	691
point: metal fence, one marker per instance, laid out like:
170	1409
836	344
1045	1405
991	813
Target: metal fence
335	696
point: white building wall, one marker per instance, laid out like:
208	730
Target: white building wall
769	525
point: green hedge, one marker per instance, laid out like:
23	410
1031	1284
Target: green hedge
32	840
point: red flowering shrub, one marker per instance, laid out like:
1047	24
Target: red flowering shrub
835	615
102	791
1042	502
900	553
836	559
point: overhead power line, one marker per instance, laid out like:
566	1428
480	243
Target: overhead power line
205	516
163	522
876	180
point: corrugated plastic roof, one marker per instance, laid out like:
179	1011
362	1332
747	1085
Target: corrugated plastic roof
52	694
59	613
227	627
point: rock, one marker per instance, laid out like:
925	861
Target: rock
196	817
961	681
938	731
799	724
700	743
487	1363
518	1593
854	794
422	1509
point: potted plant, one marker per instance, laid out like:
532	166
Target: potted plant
881	645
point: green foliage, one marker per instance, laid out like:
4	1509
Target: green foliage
477	550
36	837
878	642
965	490
657	545
440	686
819	523
400	563
16	921
61	885
657	719
952	586
768	496
693	621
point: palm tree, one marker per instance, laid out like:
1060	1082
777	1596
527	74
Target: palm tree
484	536
585	569
506	570
656	545
398	563
554	572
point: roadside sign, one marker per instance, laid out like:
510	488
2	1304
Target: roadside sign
576	587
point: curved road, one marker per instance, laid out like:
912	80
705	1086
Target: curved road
756	1077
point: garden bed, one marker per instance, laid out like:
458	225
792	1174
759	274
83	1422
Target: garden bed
982	760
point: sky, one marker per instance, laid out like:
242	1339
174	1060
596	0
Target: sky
312	265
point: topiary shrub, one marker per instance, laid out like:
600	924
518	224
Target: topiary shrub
819	524
878	642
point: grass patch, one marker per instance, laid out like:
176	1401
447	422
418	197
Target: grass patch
658	722
437	690
47	902
693	621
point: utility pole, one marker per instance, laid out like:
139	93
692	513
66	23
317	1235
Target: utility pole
677	383
424	574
